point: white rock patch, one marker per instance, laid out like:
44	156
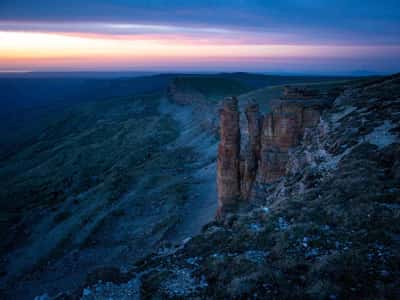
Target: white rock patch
340	115
182	283
108	290
381	135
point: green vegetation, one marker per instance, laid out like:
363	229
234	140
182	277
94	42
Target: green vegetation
79	170
264	95
212	88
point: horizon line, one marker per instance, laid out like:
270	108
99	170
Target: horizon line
351	73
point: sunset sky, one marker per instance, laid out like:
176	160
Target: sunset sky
302	36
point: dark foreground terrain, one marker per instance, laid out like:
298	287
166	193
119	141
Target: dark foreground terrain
107	182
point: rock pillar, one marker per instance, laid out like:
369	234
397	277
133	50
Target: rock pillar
228	174
252	151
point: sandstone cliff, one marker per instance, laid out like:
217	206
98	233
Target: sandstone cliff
328	229
282	130
228	175
264	158
251	157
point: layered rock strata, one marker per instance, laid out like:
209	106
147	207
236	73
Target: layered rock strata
263	160
251	157
283	129
228	167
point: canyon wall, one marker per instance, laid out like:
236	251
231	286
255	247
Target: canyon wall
283	129
228	167
270	137
251	156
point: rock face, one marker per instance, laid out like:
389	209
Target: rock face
249	164
282	129
228	168
264	158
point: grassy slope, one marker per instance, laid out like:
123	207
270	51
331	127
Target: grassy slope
211	88
215	87
77	171
29	105
265	94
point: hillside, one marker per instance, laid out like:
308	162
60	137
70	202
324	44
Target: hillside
32	102
109	179
326	230
123	163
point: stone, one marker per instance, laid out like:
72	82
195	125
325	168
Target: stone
252	152
265	157
42	297
228	173
282	130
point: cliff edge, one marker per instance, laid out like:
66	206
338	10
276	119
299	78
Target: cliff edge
324	227
264	158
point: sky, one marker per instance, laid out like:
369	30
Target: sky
298	36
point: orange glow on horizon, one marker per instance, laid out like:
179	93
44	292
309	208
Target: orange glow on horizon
27	50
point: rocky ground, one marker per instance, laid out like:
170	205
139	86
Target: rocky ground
327	230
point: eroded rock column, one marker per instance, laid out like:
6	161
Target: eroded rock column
252	151
264	159
228	174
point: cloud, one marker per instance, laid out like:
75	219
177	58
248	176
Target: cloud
253	34
37	50
344	21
